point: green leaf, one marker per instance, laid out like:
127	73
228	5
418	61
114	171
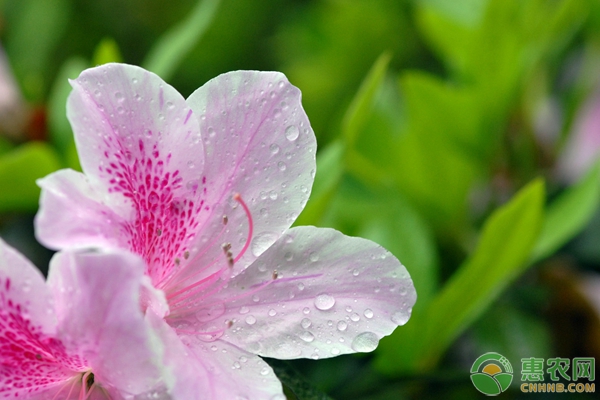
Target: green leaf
36	27
107	51
569	214
19	170
295	385
166	55
61	134
361	105
502	253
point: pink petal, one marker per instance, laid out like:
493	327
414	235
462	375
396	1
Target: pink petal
71	214
235	373
99	315
214	370
332	294
139	141
31	361
258	143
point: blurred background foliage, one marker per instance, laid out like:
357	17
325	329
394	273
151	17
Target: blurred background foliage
461	135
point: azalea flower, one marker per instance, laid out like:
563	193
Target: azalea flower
81	335
205	191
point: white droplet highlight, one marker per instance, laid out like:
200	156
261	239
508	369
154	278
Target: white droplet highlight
365	342
400	317
292	132
324	302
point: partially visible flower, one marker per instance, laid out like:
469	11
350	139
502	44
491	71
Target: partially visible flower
582	148
81	335
205	190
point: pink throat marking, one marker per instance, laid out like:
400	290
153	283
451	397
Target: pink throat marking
31	360
167	209
192	294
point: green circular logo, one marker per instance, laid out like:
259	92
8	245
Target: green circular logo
491	374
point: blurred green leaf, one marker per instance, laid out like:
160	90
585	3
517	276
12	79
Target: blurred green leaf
360	108
568	214
107	52
168	52
61	134
295	385
36	27
436	154
505	245
19	170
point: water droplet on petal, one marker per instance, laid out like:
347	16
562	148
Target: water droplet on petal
314	257
342	325
261	242
211	132
119	96
355	317
244	310
292	133
365	342
250	320
368	313
274	148
400	317
335	351
281	165
305	323
272	313
306	310
307	336
324	302
264	371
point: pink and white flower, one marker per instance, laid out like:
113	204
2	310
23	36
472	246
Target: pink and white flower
81	335
205	191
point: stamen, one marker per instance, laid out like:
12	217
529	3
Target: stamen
237	197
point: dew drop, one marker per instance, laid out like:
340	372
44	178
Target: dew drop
324	302
250	320
119	96
314	257
264	371
400	317
306	310
335	351
368	313
307	336
261	242
305	323
211	132
355	317
281	165
274	148
272	313
301	286
355	272
292	133
365	342
244	310
342	325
